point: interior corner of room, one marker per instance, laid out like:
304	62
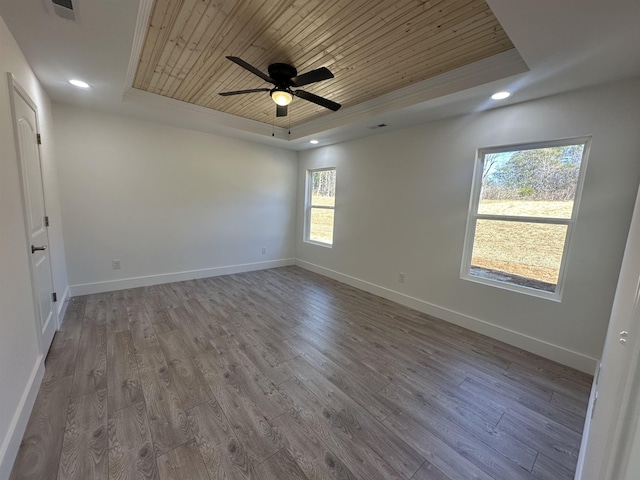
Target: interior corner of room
142	190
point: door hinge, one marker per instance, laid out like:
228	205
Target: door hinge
54	295
46	221
39	139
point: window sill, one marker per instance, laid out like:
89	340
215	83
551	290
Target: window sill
319	244
554	297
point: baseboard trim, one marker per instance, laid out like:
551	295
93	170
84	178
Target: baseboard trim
11	442
134	282
548	350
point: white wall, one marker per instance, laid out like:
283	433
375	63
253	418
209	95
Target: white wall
21	364
165	200
402	202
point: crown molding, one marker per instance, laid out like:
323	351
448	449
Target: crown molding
139	34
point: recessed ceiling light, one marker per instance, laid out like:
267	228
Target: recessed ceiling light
79	83
315	142
500	95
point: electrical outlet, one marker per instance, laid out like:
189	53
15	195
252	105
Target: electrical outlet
264	250
401	277
115	264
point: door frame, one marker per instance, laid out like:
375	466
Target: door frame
608	455
16	89
614	407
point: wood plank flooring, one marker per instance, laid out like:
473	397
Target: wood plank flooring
285	374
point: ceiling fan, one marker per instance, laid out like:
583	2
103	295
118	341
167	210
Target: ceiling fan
284	76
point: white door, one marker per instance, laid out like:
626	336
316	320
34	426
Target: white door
26	134
610	424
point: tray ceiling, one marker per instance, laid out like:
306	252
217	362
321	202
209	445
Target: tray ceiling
372	48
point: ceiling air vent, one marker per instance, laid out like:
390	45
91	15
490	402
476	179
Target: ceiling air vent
64	9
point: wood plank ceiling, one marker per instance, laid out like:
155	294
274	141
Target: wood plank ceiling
373	47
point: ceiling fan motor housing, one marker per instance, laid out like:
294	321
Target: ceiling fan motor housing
282	73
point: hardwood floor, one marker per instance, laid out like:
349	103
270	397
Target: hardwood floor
285	374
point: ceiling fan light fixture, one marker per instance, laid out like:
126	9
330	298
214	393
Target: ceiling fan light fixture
281	97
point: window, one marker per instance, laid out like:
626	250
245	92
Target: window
320	206
524	204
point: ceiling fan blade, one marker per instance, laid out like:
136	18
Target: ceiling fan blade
323	102
313	76
252	69
240	92
281	110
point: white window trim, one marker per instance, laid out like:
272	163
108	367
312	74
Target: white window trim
308	206
473	216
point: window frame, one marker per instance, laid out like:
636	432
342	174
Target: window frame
308	206
473	216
